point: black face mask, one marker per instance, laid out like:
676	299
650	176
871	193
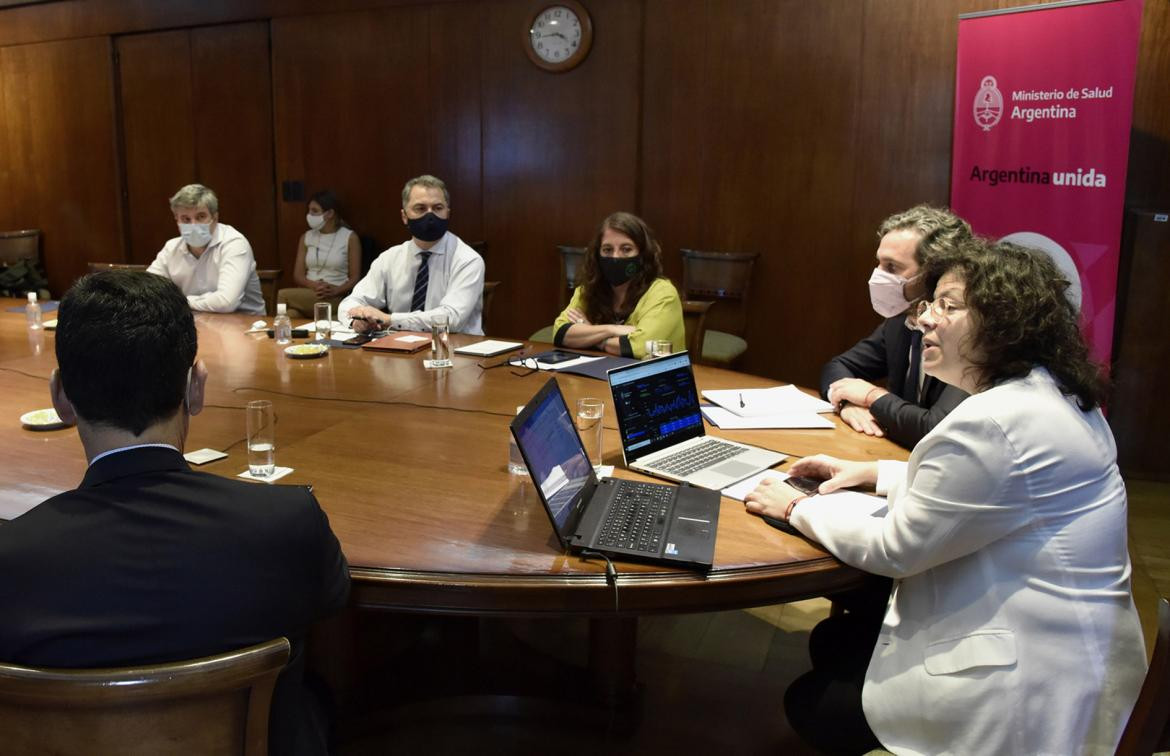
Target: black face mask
618	270
428	228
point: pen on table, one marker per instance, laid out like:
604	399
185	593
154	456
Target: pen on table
741	404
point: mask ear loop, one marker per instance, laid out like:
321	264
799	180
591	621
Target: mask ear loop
187	391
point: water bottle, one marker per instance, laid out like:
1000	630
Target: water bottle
32	312
515	458
281	325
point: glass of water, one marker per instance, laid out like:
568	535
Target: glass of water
589	414
440	341
660	348
261	438
323	318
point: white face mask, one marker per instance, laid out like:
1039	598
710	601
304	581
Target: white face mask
315	221
195	234
886	293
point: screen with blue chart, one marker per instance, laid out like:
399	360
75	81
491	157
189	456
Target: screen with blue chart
556	459
656	404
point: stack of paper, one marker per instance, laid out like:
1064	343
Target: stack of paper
776	407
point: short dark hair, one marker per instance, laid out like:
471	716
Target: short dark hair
1022	318
125	343
940	231
598	292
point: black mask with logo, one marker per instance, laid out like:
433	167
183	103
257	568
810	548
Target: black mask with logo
618	270
428	228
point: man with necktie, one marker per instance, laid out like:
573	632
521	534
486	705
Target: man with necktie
911	403
434	273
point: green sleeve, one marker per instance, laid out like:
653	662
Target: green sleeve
561	324
658	316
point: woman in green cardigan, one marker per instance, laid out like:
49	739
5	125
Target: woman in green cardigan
624	300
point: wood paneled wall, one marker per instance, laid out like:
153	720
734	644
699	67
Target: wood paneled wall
779	126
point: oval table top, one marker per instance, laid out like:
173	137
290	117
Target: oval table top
410	465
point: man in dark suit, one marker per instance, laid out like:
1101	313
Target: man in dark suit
147	560
911	403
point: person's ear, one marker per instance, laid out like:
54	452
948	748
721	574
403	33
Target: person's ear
196	384
404	221
61	403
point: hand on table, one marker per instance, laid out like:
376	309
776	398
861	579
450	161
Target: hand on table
771	498
860	420
375	319
837	473
854	391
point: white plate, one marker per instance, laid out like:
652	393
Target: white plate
49	325
306	351
42	419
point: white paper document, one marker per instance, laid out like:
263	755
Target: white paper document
863	502
778	400
747	485
489	348
730	421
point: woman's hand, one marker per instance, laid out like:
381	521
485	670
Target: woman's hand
576	317
621	330
771	498
837	473
854	391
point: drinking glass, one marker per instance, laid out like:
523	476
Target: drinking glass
261	438
660	348
589	414
323	317
440	341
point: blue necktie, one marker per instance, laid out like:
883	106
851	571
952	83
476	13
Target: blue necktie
419	301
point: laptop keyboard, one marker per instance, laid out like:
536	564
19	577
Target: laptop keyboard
697	457
637	517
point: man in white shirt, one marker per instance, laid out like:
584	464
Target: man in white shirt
435	273
210	261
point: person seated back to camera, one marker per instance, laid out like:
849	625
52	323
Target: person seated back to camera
329	259
624	300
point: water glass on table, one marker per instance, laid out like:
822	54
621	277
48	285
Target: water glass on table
658	348
440	341
589	415
261	438
323	320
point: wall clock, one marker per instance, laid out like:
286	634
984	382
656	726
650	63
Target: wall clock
559	35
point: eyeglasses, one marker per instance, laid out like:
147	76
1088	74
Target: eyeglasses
527	363
940	309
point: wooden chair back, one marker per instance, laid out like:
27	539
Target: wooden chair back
489	293
723	277
572	263
269	279
20	245
695	325
96	267
1148	729
215	705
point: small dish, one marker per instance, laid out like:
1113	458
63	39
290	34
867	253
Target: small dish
42	419
306	351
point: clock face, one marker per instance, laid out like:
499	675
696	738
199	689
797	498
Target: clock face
555	35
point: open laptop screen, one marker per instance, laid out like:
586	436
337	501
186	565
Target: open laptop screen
656	404
552	450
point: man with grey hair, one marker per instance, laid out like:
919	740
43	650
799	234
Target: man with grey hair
911	403
435	273
210	261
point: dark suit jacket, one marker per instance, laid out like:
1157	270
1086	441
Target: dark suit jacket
148	561
885	354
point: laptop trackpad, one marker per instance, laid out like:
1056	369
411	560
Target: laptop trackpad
734	469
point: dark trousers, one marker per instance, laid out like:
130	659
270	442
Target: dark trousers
824	705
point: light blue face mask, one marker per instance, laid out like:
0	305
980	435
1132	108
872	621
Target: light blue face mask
195	234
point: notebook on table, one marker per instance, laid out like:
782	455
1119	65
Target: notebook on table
400	341
661	427
674	525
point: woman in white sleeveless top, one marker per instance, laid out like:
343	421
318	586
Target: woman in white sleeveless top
329	259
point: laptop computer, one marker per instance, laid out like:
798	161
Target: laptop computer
672	525
662	432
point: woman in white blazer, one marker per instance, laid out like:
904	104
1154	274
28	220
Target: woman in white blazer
1011	628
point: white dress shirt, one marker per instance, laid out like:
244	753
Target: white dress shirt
327	256
1011	627
222	279
455	287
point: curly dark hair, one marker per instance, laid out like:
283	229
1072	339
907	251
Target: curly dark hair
1021	317
598	293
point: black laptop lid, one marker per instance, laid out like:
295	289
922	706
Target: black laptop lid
557	463
656	404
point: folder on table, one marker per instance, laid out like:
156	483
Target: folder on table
400	341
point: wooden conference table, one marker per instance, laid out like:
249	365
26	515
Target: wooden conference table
410	466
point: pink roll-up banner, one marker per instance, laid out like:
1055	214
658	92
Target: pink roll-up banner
1043	105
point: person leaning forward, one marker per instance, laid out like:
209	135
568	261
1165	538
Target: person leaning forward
435	273
912	402
150	561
